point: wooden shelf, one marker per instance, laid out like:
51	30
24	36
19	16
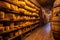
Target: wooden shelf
15	37
11	21
17	13
30	3
24	32
11	30
27	23
31	28
17	28
17	5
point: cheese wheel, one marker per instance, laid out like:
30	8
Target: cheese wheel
16	33
31	4
34	14
7	28
30	13
9	16
12	26
14	17
17	2
1	25
1	28
20	32
26	12
14	8
29	8
5	5
22	10
33	18
2	15
21	3
17	17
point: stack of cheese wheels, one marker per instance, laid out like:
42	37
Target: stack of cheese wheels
31	4
9	16
12	26
7	28
18	18
20	32
17	2
8	6
2	15
14	8
21	10
29	8
16	33
21	3
5	5
14	17
35	14
1	28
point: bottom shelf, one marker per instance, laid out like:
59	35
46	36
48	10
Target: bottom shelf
24	32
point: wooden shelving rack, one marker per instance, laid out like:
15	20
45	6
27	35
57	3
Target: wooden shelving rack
14	23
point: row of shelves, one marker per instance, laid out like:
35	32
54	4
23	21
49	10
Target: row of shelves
24	31
13	17
22	3
10	21
10	6
12	27
13	35
17	17
24	12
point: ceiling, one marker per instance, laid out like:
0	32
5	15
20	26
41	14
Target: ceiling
46	3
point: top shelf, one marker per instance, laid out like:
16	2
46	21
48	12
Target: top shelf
20	6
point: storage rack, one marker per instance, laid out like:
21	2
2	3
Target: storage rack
13	24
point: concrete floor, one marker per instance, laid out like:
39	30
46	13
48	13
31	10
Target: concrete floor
42	33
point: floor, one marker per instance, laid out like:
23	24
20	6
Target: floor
42	33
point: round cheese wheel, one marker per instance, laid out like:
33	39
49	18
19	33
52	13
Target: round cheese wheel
2	14
21	3
5	4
